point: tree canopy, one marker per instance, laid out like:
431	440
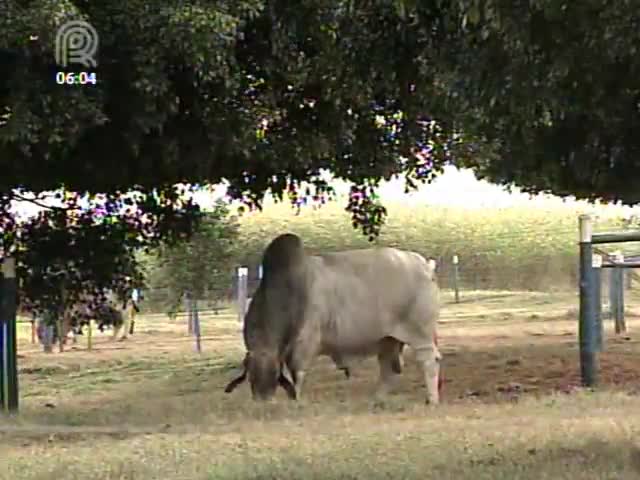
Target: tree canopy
554	87
266	94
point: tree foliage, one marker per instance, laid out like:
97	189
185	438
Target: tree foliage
71	254
257	93
553	86
266	94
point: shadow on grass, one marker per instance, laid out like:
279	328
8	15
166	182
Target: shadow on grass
413	452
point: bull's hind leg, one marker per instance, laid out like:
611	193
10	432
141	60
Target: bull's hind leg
341	364
390	363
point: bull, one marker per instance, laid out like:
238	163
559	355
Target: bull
355	303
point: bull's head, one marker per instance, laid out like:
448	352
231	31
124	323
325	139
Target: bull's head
265	371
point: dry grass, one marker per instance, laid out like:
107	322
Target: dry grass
153	408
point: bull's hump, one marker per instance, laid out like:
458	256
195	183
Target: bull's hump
284	251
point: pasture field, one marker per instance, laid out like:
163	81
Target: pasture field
153	408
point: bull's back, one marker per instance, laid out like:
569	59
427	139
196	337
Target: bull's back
361	296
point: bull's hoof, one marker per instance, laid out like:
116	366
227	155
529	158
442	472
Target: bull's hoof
122	339
346	371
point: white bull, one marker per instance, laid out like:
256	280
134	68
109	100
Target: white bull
345	304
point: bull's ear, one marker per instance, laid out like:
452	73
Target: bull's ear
243	376
235	382
285	383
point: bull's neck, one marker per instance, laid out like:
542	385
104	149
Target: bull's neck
276	310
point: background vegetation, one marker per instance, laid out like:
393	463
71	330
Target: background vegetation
515	248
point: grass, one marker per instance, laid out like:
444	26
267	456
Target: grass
152	408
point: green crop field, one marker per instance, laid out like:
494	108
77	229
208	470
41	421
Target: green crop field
515	248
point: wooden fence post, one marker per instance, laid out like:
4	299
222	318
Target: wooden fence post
188	310
33	330
196	325
243	274
588	310
90	335
456	278
59	324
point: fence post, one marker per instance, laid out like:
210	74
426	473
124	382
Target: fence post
8	342
597	286
46	328
189	311
90	335
243	273
618	275
456	278
59	325
196	324
476	280
587	327
33	329
605	294
613	294
3	362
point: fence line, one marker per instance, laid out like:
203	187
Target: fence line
590	325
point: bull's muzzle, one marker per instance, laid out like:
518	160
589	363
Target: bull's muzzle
283	381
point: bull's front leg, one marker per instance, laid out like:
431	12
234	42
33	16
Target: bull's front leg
299	362
428	358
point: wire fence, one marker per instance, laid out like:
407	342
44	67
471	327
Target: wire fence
493	280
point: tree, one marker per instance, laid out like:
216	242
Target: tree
553	86
202	266
266	95
100	258
182	89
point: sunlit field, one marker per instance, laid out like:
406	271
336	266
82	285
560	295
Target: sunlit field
512	248
151	407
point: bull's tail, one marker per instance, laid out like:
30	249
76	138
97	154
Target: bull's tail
439	357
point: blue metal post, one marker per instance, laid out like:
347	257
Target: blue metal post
3	394
621	326
588	309
616	294
613	295
8	342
